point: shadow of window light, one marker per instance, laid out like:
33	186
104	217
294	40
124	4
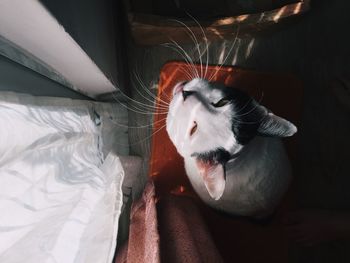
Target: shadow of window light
249	48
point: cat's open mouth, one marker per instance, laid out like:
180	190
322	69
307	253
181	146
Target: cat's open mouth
211	166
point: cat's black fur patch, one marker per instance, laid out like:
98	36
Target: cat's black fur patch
219	155
247	115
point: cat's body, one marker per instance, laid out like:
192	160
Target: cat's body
226	138
255	180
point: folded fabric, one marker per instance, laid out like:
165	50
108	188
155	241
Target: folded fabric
171	230
60	199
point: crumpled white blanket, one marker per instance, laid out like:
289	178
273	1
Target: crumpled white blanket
60	200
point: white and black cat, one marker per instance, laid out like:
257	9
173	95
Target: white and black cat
231	147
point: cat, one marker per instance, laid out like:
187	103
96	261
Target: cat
231	146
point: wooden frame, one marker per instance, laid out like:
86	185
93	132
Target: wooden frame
152	29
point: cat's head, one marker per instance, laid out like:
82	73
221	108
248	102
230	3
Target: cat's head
212	123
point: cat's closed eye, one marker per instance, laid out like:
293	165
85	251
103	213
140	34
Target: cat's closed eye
186	93
221	103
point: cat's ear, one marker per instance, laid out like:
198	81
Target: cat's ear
275	126
213	176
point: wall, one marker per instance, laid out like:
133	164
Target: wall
93	25
17	78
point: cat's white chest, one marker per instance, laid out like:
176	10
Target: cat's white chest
255	181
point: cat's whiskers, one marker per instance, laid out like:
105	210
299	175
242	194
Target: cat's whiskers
245	122
245	105
162	104
159	108
196	44
150	136
206	50
141	108
137	108
237	120
137	142
180	50
149	126
173	47
229	52
254	108
250	100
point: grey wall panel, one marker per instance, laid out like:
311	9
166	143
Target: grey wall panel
17	78
93	25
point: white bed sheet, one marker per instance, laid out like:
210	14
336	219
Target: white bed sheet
60	199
